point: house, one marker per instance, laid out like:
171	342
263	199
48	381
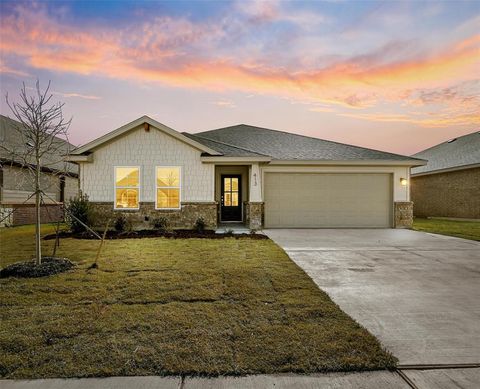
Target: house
58	180
449	184
242	174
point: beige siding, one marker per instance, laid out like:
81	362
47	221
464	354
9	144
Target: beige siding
147	150
71	188
18	184
306	200
16	178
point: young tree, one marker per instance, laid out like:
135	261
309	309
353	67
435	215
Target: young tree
43	141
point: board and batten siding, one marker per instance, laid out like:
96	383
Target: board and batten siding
147	149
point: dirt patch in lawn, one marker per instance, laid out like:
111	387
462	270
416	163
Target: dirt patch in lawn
176	234
174	307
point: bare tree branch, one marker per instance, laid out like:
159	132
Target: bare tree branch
43	140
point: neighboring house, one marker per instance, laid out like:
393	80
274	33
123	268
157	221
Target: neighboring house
59	180
242	174
449	184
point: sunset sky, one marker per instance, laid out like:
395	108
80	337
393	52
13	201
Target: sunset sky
398	76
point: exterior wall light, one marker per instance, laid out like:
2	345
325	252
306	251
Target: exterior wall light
403	181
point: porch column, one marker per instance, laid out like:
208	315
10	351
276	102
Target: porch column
255	184
255	203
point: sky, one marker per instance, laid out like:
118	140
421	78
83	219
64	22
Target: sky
398	76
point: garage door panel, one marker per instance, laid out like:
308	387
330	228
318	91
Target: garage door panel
315	200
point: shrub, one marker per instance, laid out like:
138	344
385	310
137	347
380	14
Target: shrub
121	223
78	210
160	223
199	225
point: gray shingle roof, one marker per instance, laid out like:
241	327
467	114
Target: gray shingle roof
286	146
11	139
454	153
225	149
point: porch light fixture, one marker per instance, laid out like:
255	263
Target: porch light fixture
403	181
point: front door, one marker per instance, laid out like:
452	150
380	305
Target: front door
231	201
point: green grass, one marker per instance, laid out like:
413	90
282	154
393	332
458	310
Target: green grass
167	307
460	229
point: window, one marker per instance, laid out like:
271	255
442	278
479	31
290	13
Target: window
127	187
168	187
230	191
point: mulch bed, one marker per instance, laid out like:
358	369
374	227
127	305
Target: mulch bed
29	269
176	234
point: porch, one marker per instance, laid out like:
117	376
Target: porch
239	199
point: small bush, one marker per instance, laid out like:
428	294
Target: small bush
121	223
160	223
78	210
199	225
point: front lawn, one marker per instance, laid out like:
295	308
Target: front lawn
164	306
460	229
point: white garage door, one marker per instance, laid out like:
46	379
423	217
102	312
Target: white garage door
323	200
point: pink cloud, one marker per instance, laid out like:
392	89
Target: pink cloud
172	52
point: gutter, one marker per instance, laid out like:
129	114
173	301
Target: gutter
446	170
353	162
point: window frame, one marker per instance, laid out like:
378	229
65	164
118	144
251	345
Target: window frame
180	179
115	187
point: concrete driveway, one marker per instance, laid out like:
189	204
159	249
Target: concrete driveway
418	293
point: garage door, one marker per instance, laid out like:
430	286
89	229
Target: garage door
313	200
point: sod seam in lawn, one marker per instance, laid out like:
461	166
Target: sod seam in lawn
168	307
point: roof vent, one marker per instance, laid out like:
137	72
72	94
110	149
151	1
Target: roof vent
452	140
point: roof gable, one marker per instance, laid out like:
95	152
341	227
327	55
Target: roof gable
12	138
135	124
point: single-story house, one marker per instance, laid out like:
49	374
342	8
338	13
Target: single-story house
449	184
58	180
242	174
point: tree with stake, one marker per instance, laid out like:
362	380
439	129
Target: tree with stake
43	133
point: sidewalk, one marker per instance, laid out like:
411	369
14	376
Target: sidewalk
466	378
368	380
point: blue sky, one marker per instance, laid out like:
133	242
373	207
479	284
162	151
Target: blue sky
398	75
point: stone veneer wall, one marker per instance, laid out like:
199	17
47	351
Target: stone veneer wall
451	194
254	215
403	214
143	218
6	216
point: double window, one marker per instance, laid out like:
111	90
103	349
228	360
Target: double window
167	187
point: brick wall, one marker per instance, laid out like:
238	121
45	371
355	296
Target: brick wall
452	194
25	214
